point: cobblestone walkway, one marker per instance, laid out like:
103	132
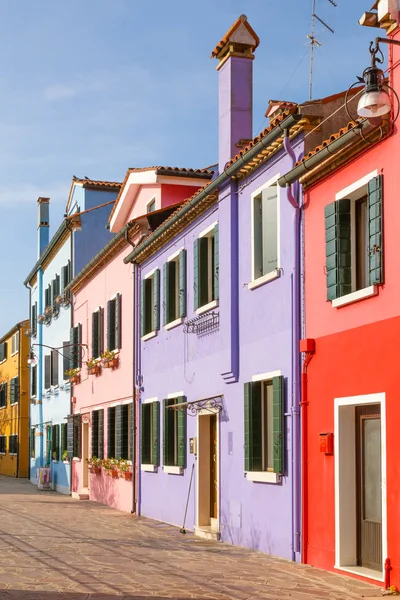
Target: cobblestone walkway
53	547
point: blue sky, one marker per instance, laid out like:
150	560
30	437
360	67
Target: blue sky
92	88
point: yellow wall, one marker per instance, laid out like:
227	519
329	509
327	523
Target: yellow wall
15	419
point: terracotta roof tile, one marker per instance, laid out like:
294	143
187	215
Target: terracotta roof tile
96	183
240	20
328	141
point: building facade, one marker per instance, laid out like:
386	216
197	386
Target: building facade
14	402
55	350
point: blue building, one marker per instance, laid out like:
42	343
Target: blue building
54	341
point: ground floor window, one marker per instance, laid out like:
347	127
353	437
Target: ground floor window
150	433
98	433
119	427
3	447
174	433
32	442
55	442
13	444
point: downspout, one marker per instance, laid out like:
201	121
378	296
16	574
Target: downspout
40	365
29	389
294	199
19	395
138	385
304	456
72	464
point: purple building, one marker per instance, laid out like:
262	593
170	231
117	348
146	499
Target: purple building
217	357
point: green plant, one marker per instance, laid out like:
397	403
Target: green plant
93	362
94	462
124	465
107	355
72	372
65	455
109	464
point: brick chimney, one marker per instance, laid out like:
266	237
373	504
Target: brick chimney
43	224
235	69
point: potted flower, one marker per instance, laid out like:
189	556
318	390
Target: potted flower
109	359
125	468
93	366
110	467
94	464
48	310
73	375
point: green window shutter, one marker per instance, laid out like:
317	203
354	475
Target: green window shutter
121	427
196	273
77	436
165	293
70	437
109	324
101	433
375	216
95	334
16	389
58	442
156	299
78	342
338	248
111	432
182	283
131	426
182	434
252	426
155	433
172	289
95	433
278	433
166	433
142	434
71	348
117	322
142	307
64	428
118	431
47	370
12	390
216	262
203	271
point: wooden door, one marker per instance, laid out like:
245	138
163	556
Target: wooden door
369	487
213	467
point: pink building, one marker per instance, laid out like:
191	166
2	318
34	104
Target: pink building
103	398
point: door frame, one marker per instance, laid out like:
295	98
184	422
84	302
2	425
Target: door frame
345	484
203	413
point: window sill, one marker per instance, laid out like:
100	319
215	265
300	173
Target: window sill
207	307
264	279
263	477
362	571
173	324
173	470
3	407
149	336
12	454
14	403
149	468
367	292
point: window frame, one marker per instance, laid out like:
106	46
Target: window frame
149	204
146	334
4	393
210	233
15	439
179	421
99	311
3	438
116	299
153	406
15	383
15	343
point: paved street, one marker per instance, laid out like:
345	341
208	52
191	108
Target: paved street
53	547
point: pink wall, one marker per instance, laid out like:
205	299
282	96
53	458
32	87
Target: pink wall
111	387
165	195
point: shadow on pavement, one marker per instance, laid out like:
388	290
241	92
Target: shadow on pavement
43	595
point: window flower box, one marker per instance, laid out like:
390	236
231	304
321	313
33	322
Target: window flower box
94	464
110	360
95	470
94	369
73	375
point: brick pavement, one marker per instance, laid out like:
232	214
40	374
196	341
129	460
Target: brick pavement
53	547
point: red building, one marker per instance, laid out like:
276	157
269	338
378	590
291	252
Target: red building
351	390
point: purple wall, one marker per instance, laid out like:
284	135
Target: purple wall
255	336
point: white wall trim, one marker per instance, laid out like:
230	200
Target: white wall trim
368	292
153	199
175	254
149	468
175	395
149	336
173	324
342	562
350	189
149	400
207	229
275	274
266	376
206	307
173	470
150	273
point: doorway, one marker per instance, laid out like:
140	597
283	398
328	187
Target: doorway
369	486
208	472
85	454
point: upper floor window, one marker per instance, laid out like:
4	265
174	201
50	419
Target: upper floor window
150	433
174	287
3	394
174	433
66	276
206	267
75	347
15	343
3	351
34	316
114	323
34	380
151	206
265	231
150	303
14	390
51	369
97	333
119	427
353	238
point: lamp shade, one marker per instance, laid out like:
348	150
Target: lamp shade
374	104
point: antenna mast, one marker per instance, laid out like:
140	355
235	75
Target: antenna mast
313	41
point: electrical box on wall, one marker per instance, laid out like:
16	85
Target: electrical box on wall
307	345
326	443
193	445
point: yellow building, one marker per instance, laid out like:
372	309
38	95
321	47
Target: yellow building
14	402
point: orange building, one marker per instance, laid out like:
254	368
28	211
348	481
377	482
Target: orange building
14	402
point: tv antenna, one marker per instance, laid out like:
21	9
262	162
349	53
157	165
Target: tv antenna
313	41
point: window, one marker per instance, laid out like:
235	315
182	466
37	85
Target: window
119	427
97	333
263	425
3	351
174	288
75	349
64	438
14	390
174	433
13	444
3	394
34	316
47	371
15	343
32	442
3	447
33	381
354	239
150	303
65	276
47	296
265	231
150	433
66	357
114	323
54	367
206	268
55	288
55	442
98	433
151	207
74	436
